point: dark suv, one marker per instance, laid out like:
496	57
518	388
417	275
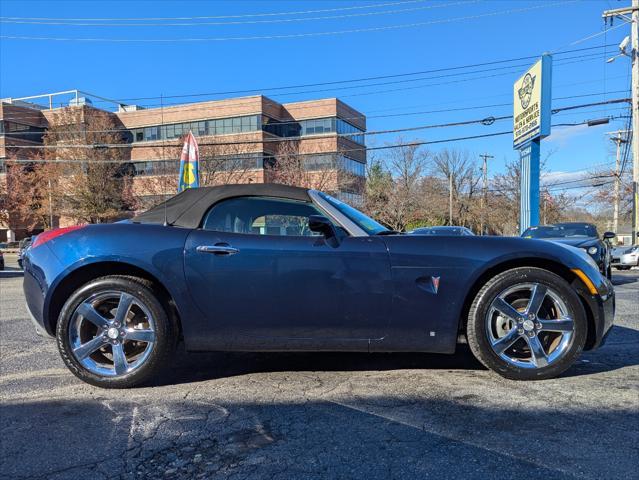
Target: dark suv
22	246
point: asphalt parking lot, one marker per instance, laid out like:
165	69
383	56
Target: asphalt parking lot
281	416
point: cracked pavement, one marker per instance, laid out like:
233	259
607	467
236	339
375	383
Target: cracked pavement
324	415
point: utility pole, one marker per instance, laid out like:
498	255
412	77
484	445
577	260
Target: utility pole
623	13
484	198
450	198
619	140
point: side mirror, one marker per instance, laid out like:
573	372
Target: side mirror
320	224
609	235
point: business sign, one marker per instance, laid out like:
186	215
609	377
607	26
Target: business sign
532	95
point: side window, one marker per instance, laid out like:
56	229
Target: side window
261	216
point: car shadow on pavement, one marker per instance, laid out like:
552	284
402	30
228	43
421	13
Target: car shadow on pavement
11	273
619	351
195	367
336	436
623	280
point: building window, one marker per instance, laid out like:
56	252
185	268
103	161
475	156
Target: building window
226	163
21	131
354	199
251	123
248	123
314	126
331	161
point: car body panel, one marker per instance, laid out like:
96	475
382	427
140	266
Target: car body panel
377	292
422	314
278	289
155	249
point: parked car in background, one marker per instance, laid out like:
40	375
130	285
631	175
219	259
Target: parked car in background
1	261
442	230
624	258
580	235
22	247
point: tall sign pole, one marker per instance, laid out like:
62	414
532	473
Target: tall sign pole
531	117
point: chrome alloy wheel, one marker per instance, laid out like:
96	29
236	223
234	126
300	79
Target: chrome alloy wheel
112	333
529	326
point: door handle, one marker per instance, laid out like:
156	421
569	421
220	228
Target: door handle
218	249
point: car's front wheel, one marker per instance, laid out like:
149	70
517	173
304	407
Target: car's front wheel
114	332
527	324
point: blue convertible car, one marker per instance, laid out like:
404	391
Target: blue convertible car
272	268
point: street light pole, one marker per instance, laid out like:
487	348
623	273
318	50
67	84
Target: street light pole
619	140
623	13
634	29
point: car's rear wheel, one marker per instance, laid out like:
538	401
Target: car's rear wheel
527	324
114	332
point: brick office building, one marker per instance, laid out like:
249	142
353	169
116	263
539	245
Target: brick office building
242	140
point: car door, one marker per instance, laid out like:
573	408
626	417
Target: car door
261	278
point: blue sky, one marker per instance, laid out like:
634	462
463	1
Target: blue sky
452	33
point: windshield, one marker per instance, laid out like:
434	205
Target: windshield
366	223
558	231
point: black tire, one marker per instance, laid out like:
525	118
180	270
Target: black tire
166	333
476	331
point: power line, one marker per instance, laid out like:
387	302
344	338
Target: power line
589	37
363	79
248	15
411	144
485	121
355	80
489	120
65	22
286	36
241	102
510	69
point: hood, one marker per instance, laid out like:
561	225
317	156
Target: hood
580	242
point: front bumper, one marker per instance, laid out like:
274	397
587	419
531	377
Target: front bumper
626	260
601	310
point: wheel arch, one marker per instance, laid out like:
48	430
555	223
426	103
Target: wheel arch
535	262
91	271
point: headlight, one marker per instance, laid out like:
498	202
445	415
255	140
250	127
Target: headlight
592	250
591	262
